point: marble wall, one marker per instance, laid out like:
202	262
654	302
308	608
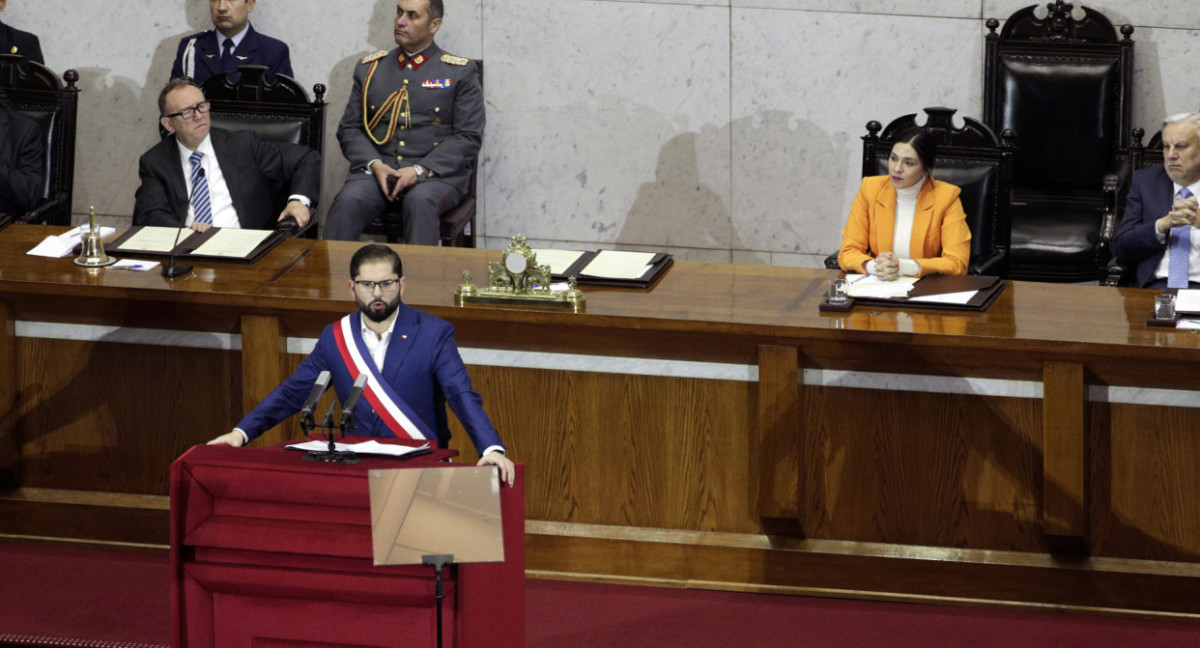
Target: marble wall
720	130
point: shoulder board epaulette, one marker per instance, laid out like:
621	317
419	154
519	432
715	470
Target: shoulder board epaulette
373	57
454	60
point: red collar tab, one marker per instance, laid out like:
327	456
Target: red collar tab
416	61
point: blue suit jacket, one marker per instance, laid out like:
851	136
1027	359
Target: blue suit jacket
1151	194
255	49
424	368
22	162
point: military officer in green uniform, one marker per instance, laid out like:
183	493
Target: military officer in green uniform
411	130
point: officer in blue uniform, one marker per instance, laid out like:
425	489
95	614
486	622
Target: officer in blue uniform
234	42
15	41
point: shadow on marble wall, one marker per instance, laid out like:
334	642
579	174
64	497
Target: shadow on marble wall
789	182
677	208
1149	108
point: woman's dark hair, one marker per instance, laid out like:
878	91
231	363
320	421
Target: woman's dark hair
922	142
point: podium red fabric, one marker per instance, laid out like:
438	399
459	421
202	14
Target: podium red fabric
269	550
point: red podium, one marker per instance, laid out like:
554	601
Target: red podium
271	551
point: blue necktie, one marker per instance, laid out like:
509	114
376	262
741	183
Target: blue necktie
227	56
1180	247
200	202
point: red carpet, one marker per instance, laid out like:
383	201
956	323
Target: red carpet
114	599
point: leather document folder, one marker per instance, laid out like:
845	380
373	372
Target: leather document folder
659	265
183	251
989	288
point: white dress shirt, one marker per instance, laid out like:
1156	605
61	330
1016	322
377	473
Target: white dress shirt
219	198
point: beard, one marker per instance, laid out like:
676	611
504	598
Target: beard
378	314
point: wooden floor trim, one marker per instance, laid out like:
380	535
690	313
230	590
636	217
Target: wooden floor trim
864	549
88	498
817	592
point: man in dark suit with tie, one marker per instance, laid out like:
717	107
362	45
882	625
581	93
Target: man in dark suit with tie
234	42
1158	232
231	177
15	41
412	363
22	162
411	130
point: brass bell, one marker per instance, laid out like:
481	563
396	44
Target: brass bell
92	254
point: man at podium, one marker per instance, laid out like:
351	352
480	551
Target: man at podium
411	361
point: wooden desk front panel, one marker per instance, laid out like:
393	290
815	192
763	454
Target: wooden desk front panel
110	417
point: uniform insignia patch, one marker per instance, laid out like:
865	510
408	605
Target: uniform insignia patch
454	60
437	84
14	49
373	57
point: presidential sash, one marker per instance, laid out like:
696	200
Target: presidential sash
391	409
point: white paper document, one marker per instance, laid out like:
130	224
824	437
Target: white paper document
62	245
138	266
1187	301
947	298
872	287
232	242
156	239
558	260
612	264
366	447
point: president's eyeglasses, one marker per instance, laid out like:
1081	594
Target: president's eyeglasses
387	285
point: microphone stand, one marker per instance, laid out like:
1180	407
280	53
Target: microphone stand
333	432
171	270
437	561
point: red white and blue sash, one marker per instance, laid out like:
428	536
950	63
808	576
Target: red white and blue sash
391	409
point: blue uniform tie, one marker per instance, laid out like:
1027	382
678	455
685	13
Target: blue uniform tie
1180	248
200	202
227	56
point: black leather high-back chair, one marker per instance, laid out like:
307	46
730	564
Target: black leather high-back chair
457	225
33	90
970	157
1065	85
279	111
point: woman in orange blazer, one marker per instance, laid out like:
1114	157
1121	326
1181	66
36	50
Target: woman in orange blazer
906	223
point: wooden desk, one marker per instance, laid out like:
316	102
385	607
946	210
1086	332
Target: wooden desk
897	478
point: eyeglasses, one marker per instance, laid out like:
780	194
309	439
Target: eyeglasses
387	285
187	113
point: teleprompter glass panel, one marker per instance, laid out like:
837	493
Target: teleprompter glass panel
421	511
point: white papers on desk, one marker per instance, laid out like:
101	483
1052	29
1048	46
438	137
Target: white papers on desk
612	264
233	242
61	245
559	260
1187	301
156	239
132	264
960	298
871	287
366	447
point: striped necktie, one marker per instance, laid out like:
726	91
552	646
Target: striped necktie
200	202
1179	249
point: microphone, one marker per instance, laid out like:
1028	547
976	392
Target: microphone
318	389
352	400
171	270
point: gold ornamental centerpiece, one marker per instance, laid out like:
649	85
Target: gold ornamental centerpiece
517	279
